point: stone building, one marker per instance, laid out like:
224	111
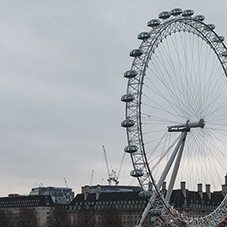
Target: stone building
196	203
42	203
126	206
99	205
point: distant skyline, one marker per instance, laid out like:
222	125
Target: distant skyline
62	66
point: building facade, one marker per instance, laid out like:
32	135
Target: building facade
41	203
98	206
59	195
126	207
195	203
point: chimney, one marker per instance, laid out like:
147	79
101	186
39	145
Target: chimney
183	188
208	191
98	191
86	190
200	191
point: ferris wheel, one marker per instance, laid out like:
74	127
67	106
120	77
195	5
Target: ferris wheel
176	110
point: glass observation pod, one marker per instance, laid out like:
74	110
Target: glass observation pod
155	212
199	17
164	15
144	35
131	149
127	98
136	173
218	39
127	123
176	12
130	73
136	53
224	54
209	27
145	194
153	23
187	13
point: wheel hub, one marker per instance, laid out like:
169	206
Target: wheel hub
187	126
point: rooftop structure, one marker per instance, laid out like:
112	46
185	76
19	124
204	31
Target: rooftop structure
112	188
59	195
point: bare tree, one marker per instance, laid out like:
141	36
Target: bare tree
85	218
59	218
4	219
27	217
7	219
111	218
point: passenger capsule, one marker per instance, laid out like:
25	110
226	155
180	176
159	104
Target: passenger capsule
164	15
130	73
199	17
127	98
187	13
176	12
144	35
218	39
209	27
131	149
136	173
153	23
136	53
127	123
155	212
145	194
224	54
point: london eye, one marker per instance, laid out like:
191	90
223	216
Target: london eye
176	111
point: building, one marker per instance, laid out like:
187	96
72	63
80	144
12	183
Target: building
125	205
130	205
195	203
42	204
99	204
59	195
42	199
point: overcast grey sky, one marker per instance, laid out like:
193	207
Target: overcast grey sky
62	65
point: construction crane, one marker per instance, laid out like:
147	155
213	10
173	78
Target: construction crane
112	176
65	182
119	170
92	173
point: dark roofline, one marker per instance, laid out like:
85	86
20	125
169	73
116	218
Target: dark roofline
26	201
108	196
